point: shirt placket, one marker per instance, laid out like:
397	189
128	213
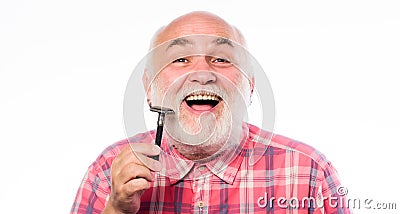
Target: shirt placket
201	191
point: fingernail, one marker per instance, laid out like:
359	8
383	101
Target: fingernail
156	149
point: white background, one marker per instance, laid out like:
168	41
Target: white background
64	66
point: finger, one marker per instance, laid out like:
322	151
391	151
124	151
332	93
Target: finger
134	171
148	149
126	156
148	162
136	185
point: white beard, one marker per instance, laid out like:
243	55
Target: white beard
205	137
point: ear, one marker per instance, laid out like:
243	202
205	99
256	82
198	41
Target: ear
252	82
147	88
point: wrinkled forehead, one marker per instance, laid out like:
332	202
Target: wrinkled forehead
197	45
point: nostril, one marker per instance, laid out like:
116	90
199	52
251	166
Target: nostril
202	77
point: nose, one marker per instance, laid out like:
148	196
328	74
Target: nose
202	73
202	77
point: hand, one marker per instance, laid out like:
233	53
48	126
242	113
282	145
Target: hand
130	177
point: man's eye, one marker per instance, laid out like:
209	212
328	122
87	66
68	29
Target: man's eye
220	60
180	60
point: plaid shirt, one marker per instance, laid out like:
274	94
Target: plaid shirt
288	177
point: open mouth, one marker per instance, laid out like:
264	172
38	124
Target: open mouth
202	100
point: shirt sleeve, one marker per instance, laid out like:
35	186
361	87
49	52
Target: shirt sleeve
333	193
93	192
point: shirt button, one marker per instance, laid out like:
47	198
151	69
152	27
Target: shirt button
201	168
201	204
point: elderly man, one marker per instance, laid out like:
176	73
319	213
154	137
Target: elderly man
197	67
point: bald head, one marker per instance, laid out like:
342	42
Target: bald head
197	23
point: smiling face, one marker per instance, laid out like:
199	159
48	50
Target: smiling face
197	77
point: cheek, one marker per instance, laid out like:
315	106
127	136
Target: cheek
167	84
237	79
163	81
232	74
160	85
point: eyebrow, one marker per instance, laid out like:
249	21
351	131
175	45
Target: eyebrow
178	41
183	42
223	41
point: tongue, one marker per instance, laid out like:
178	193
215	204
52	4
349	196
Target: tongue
204	107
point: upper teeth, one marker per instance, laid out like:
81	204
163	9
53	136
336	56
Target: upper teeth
203	96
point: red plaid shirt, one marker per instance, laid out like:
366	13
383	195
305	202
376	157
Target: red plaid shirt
289	177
